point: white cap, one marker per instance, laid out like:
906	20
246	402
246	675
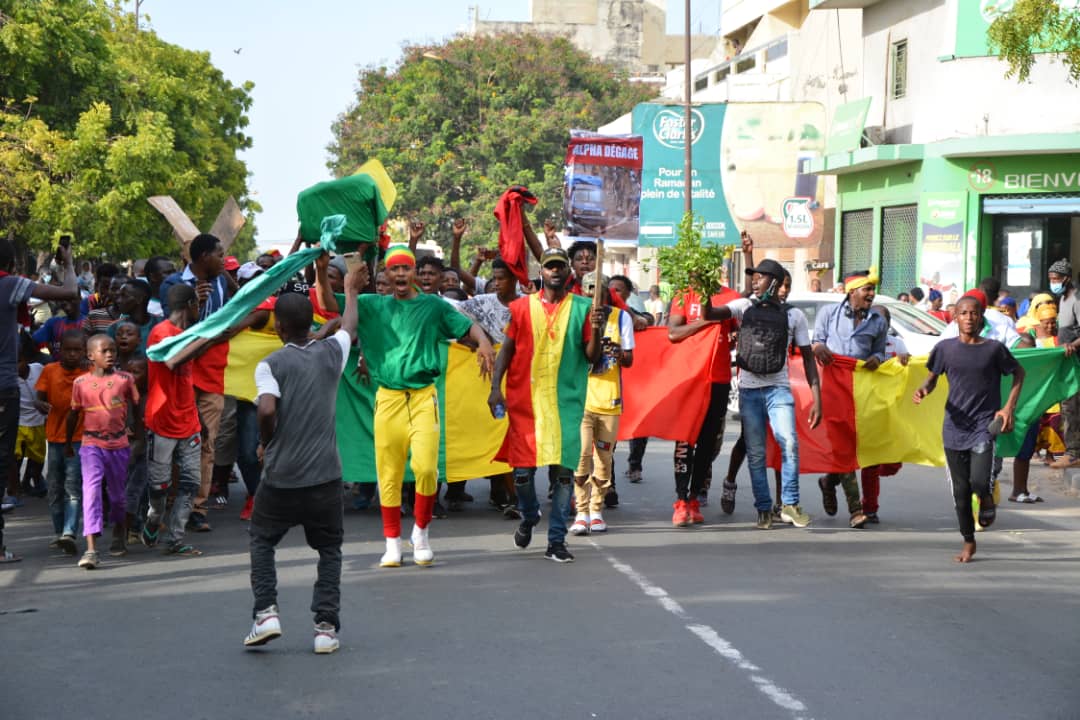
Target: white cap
247	271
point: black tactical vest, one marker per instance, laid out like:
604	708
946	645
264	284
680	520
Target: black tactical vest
763	338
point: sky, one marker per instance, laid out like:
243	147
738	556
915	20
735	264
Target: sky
304	58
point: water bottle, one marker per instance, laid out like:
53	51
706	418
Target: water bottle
500	411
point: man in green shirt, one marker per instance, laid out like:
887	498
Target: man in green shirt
400	336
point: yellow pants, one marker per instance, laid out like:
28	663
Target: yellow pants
406	420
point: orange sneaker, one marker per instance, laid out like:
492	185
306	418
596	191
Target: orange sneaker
681	518
695	512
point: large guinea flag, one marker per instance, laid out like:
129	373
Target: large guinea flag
470	436
870	419
546	382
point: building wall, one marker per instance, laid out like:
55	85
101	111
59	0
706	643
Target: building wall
629	33
951	98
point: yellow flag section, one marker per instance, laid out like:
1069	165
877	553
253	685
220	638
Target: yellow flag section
890	428
471	436
246	350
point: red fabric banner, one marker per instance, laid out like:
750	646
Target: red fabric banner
666	390
831	446
511	230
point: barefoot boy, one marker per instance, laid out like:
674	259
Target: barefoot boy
974	366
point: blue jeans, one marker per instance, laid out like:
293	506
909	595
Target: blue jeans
64	480
773	406
525	485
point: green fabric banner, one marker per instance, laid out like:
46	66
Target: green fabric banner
1050	377
238	307
355	197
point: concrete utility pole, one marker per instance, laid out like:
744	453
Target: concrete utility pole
688	135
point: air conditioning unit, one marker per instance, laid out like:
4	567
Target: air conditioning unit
873	135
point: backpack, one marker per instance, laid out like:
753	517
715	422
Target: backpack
762	343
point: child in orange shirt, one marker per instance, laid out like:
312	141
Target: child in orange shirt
104	397
63	474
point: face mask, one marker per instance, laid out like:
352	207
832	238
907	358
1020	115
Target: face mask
1057	288
769	293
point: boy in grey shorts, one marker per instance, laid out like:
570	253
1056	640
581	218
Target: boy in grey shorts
173	431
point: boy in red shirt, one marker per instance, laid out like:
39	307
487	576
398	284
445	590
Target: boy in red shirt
173	431
63	474
103	398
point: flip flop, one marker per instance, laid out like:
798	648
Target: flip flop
1025	498
183	549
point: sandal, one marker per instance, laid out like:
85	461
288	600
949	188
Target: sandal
9	557
987	514
1026	498
149	537
183	549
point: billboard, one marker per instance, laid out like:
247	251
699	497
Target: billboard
750	172
602	187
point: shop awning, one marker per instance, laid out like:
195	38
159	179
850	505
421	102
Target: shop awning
1042	204
1030	144
866	158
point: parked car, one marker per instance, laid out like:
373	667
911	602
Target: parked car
587	211
919	330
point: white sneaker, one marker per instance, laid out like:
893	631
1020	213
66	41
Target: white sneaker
266	627
392	556
422	553
597	524
325	639
581	525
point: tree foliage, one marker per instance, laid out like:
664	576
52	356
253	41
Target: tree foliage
457	129
96	116
689	263
1032	27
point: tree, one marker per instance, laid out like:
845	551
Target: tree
95	117
1032	27
456	124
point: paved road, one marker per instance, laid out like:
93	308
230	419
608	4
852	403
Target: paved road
719	621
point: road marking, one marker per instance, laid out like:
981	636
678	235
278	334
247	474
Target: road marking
778	695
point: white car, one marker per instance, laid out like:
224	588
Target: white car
919	329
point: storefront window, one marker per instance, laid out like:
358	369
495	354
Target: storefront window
1024	247
899	256
857	241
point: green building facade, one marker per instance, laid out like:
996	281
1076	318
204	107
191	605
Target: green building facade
944	215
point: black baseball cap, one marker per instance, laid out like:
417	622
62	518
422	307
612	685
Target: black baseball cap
768	267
